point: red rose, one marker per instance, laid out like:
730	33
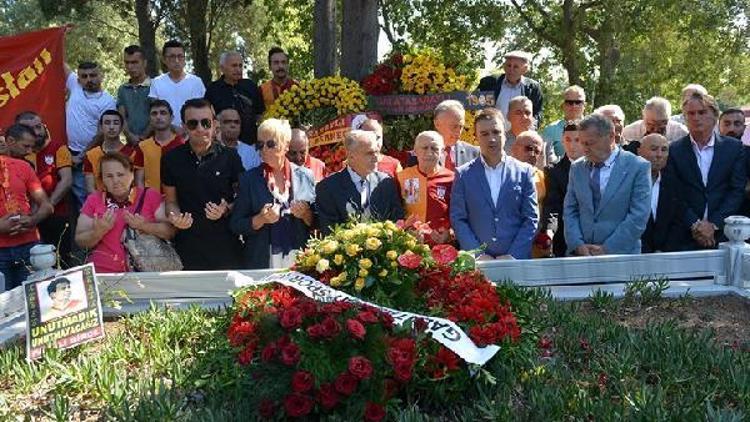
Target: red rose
402	371
268	352
444	254
246	355
374	412
290	318
266	408
315	331
346	383
298	405
356	328
410	260
360	367
290	354
420	324
367	317
331	328
302	382
327	396
239	330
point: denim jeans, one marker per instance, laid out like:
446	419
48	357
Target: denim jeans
15	264
79	186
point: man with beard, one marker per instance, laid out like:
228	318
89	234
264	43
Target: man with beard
234	91
164	139
199	179
86	103
278	62
52	163
732	123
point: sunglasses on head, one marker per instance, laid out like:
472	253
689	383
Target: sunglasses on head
574	102
260	144
192	124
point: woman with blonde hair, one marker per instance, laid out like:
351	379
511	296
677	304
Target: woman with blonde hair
273	211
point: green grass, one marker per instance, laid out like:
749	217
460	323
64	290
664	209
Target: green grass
166	365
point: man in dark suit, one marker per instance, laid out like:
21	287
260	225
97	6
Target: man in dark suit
664	230
513	83
358	190
556	182
710	170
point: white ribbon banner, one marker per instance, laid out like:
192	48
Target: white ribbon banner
442	330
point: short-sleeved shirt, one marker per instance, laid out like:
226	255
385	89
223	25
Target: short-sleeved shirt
207	244
244	97
249	156
82	112
17	181
109	254
176	93
427	197
134	97
150	153
47	162
94	155
389	165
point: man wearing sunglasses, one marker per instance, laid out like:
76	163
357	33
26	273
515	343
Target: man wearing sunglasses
573	106
358	190
199	180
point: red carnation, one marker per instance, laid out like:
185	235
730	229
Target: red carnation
239	330
374	412
356	328
346	383
360	367
290	354
444	254
246	355
266	408
282	297
331	327
290	318
315	331
327	396
268	352
410	260
402	371
302	382
298	405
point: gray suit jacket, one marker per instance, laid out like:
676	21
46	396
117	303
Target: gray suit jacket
623	211
465	153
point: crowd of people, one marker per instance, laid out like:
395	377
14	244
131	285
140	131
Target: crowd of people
199	166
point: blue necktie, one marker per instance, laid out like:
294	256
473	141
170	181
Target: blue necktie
595	184
365	194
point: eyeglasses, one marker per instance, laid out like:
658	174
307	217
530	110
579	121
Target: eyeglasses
574	102
192	124
259	145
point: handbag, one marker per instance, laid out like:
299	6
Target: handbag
147	252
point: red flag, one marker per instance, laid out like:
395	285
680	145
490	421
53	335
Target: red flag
32	78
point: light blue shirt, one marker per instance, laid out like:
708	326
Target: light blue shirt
606	169
249	155
507	92
552	135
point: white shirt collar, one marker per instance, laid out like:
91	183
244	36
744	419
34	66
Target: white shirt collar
356	178
710	143
488	167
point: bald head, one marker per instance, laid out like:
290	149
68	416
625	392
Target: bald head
655	148
428	147
298	147
527	147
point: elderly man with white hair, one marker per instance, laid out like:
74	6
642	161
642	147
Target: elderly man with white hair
233	90
656	119
449	120
615	114
514	83
426	187
359	190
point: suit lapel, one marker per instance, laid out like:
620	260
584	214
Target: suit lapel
715	161
582	173
688	157
477	169
351	194
616	176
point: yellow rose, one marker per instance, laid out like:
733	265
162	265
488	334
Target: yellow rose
394	264
365	263
411	244
352	249
359	284
335	281
383	272
391	254
373	243
363	273
312	260
348	234
329	246
338	259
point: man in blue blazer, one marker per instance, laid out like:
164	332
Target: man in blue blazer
710	172
609	194
493	201
358	191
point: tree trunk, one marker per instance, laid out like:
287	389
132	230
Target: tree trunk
568	46
147	35
609	58
359	38
197	11
324	45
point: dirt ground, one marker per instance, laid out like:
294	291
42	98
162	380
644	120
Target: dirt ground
728	316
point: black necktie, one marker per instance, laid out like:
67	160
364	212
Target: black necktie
364	194
594	182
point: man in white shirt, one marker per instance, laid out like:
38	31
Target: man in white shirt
176	86
656	119
86	103
662	229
